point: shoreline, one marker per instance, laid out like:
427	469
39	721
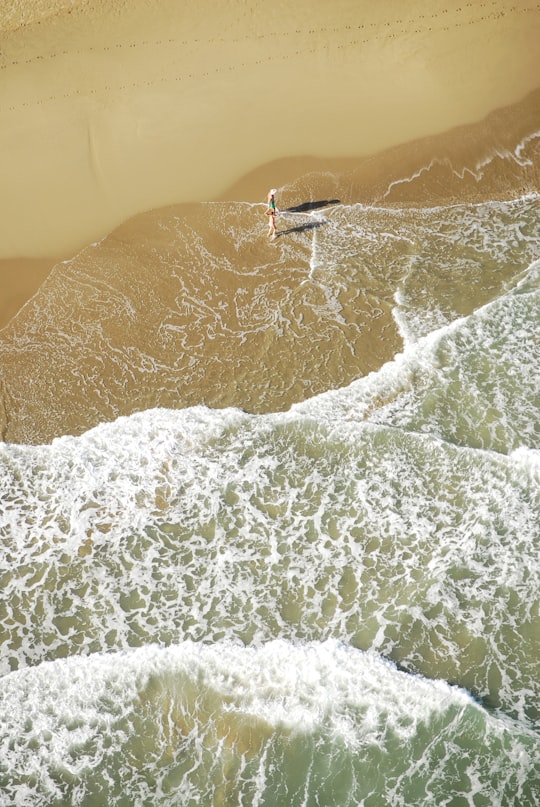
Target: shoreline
433	171
21	280
111	109
472	157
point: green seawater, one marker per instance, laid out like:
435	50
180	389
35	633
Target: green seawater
336	605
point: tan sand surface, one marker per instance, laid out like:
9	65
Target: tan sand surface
112	107
496	158
184	306
115	108
191	304
21	278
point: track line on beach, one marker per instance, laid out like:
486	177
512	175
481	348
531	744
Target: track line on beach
352	30
297	32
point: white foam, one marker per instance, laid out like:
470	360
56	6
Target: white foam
285	685
354	515
477	171
500	335
205	711
199	524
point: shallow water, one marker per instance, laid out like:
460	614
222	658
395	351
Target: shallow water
223	724
336	603
188	306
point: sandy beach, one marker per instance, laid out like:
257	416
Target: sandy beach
115	111
269	501
21	278
113	108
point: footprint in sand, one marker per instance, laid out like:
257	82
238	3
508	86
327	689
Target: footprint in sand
231	68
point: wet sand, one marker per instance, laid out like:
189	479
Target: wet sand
188	305
113	111
494	158
497	157
111	108
21	279
192	305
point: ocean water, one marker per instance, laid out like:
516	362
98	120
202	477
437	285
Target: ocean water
333	602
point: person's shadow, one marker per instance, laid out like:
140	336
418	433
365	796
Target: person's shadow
311	225
307	207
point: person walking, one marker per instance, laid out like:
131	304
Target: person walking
271	213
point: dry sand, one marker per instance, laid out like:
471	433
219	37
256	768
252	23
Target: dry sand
112	108
189	304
